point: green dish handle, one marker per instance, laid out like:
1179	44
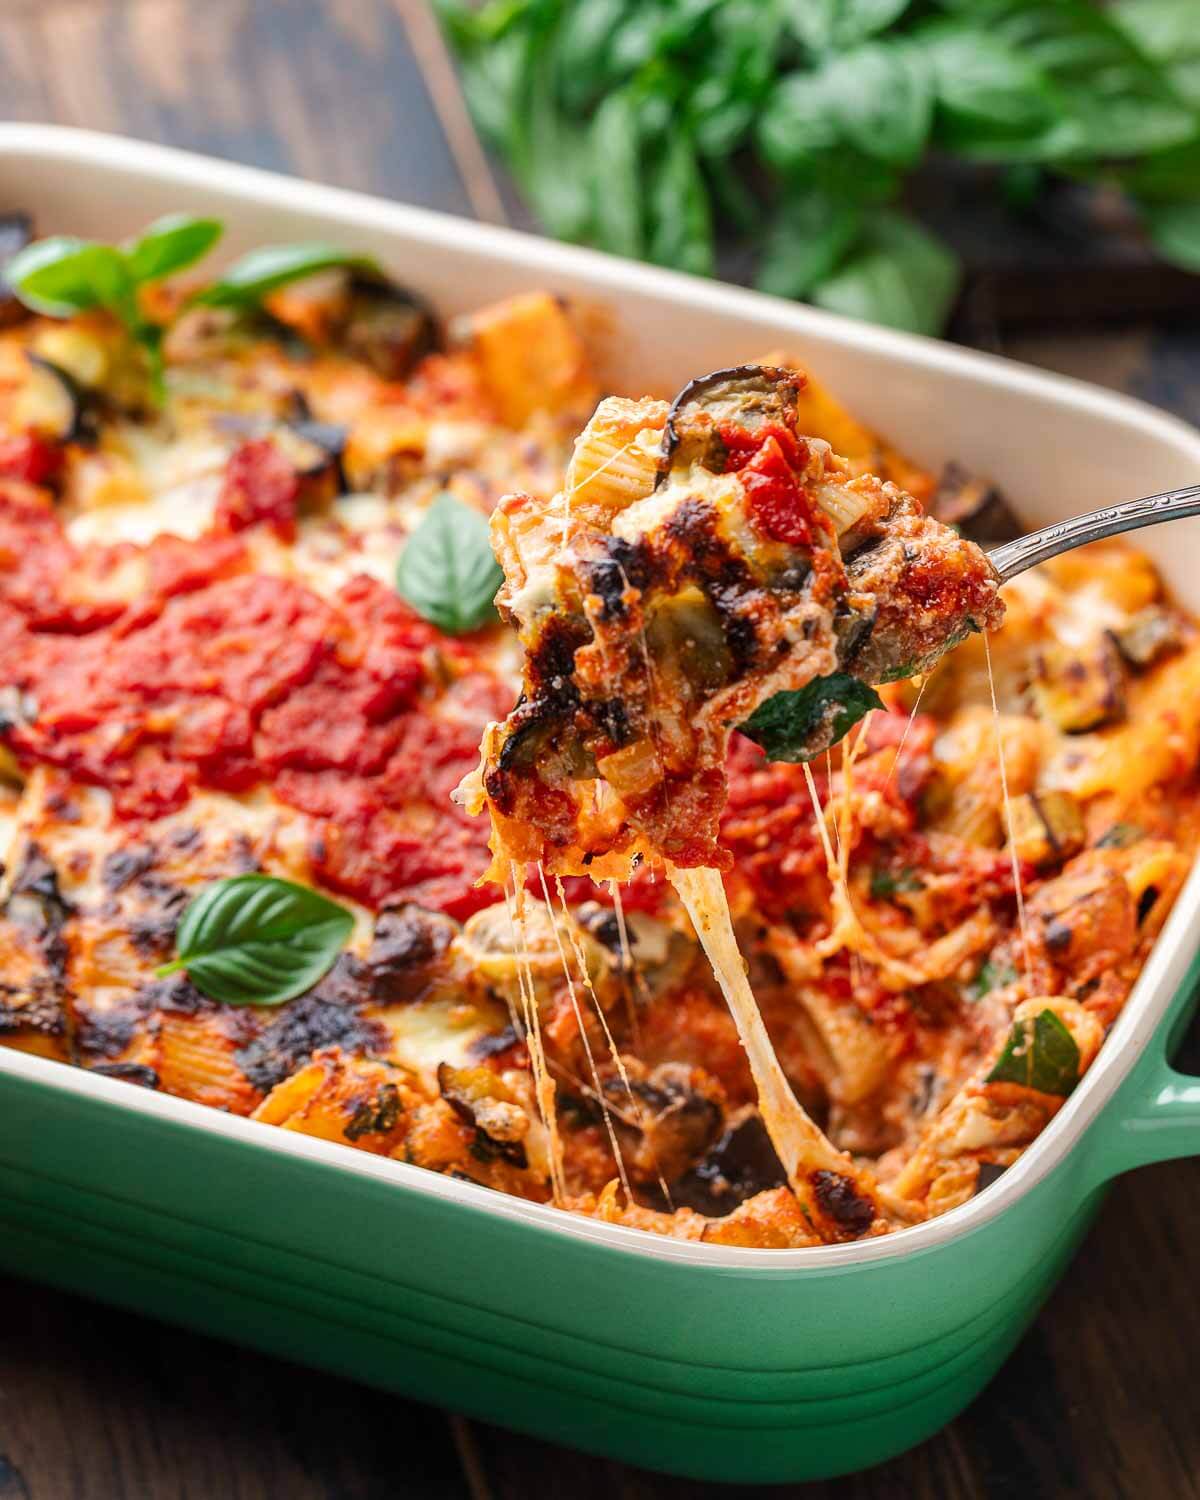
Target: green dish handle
1155	1115
1166	1125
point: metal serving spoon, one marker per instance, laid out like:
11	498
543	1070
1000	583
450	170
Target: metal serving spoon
1014	557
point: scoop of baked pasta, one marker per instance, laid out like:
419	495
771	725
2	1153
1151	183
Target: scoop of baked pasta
701	559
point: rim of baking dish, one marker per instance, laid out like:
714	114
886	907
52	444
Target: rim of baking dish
1163	973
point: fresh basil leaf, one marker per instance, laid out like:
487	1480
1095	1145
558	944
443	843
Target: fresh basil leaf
584	49
877	97
549	155
1174	229
447	571
983	88
899	275
883	99
681	230
992	976
616	176
171	244
1115	100
1169	32
826	25
60	276
799	120
267	269
1040	1054
1174	173
795	726
256	940
811	233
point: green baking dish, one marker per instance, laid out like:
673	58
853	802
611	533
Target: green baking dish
712	1362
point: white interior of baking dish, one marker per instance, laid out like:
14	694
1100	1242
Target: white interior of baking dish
1056	446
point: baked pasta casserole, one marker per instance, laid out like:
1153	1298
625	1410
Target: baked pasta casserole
240	638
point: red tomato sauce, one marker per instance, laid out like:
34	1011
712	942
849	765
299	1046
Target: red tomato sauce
357	712
768	460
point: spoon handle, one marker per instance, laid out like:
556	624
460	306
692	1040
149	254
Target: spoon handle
1014	557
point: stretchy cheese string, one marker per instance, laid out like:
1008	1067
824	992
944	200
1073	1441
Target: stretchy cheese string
543	1084
912	714
583	1036
847	930
632	976
800	1145
635	1103
1008	822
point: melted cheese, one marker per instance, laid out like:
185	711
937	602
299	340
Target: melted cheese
799	1144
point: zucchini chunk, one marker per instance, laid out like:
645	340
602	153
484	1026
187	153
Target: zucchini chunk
1046	827
1079	689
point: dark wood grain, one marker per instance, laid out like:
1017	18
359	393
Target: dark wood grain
1099	1401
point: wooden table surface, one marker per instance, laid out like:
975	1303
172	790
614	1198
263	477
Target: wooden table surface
1099	1401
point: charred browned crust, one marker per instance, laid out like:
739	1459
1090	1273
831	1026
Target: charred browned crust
660	638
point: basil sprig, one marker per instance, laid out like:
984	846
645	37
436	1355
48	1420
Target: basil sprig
633	125
271	267
447	571
796	726
62	276
258	940
1041	1054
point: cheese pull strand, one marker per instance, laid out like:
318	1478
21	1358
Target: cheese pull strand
801	1146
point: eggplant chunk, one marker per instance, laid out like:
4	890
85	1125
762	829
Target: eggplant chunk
53	403
738	1165
16	231
1147	636
1046	827
1079	689
974	507
387	327
744	396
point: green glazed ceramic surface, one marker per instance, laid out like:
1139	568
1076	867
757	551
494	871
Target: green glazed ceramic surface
730	1372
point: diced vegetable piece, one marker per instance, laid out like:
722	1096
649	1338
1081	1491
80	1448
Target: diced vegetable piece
1079	689
738	1165
1046	827
484	1101
687	642
530	356
976	508
744	396
1148	635
388	327
16	231
51	402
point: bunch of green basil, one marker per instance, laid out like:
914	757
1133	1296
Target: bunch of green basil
634	125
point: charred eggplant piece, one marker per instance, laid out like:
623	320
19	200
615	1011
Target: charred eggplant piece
740	1164
1047	827
1150	634
387	327
481	1099
742	396
16	231
53	403
1079	690
975	508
